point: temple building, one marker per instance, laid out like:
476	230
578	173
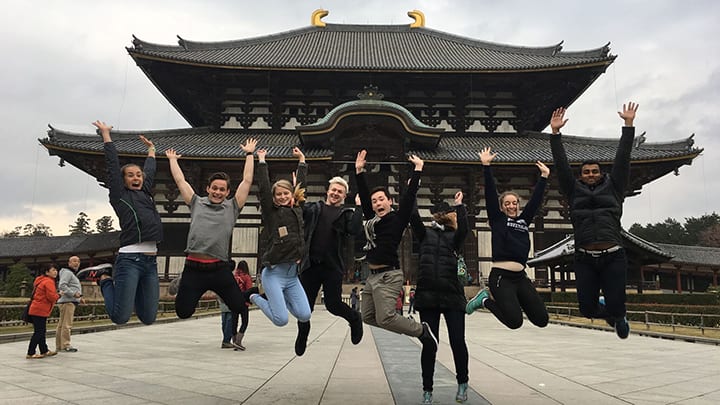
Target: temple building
394	90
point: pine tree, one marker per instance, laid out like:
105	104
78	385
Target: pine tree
81	225
104	224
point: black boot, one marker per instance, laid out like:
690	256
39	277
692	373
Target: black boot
356	328
301	340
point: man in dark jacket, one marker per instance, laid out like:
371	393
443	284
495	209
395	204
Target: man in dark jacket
595	201
329	225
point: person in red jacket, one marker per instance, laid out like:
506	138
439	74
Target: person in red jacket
43	299
245	282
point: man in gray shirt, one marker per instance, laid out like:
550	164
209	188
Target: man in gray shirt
70	296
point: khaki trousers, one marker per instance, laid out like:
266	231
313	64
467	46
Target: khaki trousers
378	304
62	335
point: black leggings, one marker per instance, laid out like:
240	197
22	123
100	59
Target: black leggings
244	316
455	322
198	278
512	293
38	336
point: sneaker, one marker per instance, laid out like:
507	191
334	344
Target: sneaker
609	320
477	301
70	349
35	356
174	286
428	338
461	395
250	291
356	328
94	272
302	336
49	353
622	328
427	397
227	345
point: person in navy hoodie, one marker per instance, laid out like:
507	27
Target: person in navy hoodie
511	289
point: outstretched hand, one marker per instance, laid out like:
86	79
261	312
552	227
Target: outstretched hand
558	120
360	161
250	145
544	170
147	142
102	126
171	154
296	152
628	113
415	160
486	156
261	154
458	198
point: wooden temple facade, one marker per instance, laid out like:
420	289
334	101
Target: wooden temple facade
334	89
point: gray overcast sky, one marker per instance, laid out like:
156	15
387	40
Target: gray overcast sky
64	64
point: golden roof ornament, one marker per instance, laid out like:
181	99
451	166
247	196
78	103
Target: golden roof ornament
317	16
419	18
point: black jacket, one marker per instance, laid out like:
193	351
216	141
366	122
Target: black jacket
438	286
345	227
290	247
595	211
135	209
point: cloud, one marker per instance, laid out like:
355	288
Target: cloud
65	64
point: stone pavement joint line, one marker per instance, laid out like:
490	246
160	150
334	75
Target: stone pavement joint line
182	363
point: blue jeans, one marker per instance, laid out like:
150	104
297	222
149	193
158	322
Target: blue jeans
134	282
284	293
228	327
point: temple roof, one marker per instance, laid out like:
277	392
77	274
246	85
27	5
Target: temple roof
692	255
349	47
209	143
58	246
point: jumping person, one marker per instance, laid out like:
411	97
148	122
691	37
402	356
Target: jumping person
596	200
512	291
439	291
384	229
283	236
134	280
329	225
212	220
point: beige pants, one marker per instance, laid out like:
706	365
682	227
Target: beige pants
378	304
62	335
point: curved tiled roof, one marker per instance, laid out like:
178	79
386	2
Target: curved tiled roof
370	48
693	255
208	143
60	246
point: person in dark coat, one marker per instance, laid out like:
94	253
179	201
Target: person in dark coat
439	291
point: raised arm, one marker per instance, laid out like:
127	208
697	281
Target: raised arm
112	161
150	164
408	200
243	189
363	190
418	228
536	198
620	172
186	190
462	222
565	176
263	179
301	173
491	196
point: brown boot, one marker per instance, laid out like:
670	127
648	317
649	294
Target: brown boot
238	341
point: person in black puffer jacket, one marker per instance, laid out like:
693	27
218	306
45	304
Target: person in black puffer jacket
439	291
595	201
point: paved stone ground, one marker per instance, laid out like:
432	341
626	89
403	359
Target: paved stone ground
182	363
